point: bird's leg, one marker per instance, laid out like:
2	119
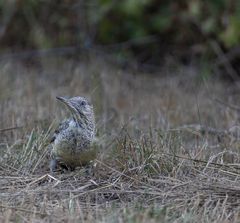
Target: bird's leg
90	169
53	165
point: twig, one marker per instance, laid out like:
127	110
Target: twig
39	53
11	128
225	61
43	178
202	129
76	48
24	210
234	107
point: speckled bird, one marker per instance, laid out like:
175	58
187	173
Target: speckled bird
71	142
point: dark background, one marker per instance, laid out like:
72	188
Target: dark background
145	32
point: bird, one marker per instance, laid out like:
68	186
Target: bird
72	140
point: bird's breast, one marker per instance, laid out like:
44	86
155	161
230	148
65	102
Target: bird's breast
72	146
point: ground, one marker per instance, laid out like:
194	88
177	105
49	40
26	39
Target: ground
168	144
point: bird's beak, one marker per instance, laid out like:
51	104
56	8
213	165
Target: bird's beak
67	103
64	101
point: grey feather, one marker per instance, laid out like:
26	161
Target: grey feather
71	142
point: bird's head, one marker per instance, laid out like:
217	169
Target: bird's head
80	107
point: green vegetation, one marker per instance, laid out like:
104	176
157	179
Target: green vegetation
148	32
43	24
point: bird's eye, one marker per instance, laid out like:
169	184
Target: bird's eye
83	103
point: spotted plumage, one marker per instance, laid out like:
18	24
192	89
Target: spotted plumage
71	142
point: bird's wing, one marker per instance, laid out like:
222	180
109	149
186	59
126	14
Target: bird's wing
62	126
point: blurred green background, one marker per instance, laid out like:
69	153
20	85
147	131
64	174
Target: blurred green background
145	30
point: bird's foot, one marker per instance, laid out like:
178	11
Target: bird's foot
58	166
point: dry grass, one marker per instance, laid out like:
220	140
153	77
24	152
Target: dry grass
154	163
